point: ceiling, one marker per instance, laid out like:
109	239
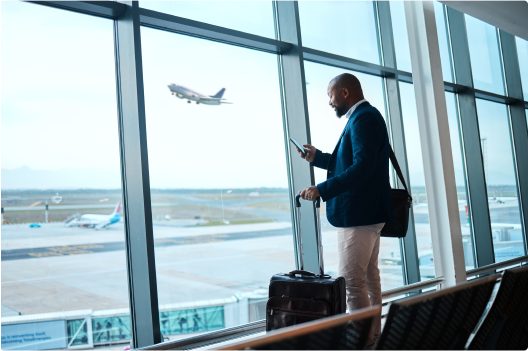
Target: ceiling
510	16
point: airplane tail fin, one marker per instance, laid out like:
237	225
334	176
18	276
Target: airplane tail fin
219	94
117	209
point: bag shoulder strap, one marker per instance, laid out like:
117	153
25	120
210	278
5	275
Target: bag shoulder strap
397	167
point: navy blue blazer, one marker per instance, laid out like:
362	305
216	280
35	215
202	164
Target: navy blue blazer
357	190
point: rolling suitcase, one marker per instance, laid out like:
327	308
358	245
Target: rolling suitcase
301	296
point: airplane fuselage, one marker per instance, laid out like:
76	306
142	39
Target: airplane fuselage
96	221
191	95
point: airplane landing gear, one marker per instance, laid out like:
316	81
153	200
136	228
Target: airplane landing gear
197	102
188	101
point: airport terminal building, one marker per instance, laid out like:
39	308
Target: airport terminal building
149	181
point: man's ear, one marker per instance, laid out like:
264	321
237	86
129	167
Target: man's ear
346	93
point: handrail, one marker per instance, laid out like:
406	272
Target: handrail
495	266
210	338
412	287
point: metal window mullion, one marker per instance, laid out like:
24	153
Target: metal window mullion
472	154
104	9
408	244
517	122
296	125
139	239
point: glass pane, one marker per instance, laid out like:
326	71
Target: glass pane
484	54
255	17
417	180
500	180
78	332
443	42
324	24
60	149
460	177
325	129
522	52
401	38
218	177
111	329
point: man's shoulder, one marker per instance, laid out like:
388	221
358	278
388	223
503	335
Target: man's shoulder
367	108
365	112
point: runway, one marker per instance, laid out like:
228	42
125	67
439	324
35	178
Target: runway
39	252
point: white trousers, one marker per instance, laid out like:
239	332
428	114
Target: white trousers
358	250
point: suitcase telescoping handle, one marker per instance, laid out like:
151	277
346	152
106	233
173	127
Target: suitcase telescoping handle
318	233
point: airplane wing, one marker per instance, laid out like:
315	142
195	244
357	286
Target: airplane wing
205	98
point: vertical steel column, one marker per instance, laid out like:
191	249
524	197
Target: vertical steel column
395	121
475	178
517	119
139	238
446	234
296	123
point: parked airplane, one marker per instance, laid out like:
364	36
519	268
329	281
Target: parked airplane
94	220
186	93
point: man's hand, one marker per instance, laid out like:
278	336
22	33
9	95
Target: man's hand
310	152
310	193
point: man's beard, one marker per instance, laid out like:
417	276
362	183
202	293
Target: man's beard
340	111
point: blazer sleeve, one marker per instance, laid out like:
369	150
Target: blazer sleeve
321	159
366	143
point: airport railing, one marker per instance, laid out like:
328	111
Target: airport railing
411	288
493	268
211	338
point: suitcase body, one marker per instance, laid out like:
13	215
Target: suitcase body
301	296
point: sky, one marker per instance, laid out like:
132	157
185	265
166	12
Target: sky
59	102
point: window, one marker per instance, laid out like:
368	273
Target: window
346	28
501	184
522	52
460	178
484	54
255	17
60	149
325	129
443	42
401	38
417	179
218	177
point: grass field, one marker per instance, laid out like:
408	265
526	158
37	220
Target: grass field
213	205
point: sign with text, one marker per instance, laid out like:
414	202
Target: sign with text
34	336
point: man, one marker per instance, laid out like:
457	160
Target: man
357	191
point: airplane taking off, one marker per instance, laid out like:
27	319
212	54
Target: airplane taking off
94	220
186	93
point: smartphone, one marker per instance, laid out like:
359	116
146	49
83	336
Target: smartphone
299	146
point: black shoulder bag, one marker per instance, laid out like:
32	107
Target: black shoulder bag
401	203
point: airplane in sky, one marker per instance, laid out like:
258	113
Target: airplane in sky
185	93
95	220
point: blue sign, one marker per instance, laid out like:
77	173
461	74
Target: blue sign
34	336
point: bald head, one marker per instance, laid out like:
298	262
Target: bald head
344	92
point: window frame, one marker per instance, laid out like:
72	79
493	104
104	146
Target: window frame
128	17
